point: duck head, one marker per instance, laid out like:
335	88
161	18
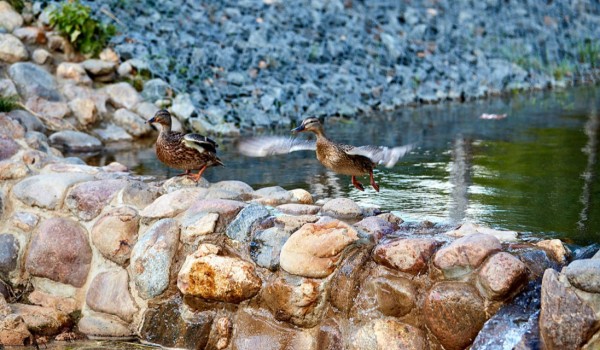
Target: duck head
162	117
310	124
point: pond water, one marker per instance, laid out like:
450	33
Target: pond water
535	171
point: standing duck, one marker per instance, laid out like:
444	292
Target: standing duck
342	159
183	151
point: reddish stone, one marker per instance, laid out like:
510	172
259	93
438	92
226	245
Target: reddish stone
87	200
502	274
466	254
407	255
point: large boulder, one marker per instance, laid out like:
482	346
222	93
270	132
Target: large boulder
342	208
115	233
12	49
60	251
410	255
103	325
131	122
109	293
584	274
87	200
501	275
33	81
171	204
9	18
240	228
48	190
465	254
266	245
122	95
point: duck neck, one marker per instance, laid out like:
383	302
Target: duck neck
165	128
320	134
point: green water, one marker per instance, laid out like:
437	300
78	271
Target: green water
536	171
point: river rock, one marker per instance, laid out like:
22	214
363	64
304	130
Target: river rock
33	81
12	49
214	277
196	227
60	251
502	274
14	332
87	200
227	210
73	91
291	223
8	148
171	204
274	195
152	256
465	254
315	249
109	293
345	282
566	322
301	196
10	170
41	56
183	107
48	109
62	304
147	110
240	228
376	227
298	209
407	255
48	190
131	122
103	325
41	320
454	313
470	228
97	67
173	324
266	245
84	110
584	274
7	88
31	35
393	296
241	188
27	120
556	248
122	95
297	300
9	252
25	221
9	18
75	141
156	89
388	333
115	233
73	71
342	208
139	194
113	133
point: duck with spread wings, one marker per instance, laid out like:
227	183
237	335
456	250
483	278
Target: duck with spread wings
342	159
183	151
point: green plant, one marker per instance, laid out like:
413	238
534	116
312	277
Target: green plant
9	103
87	34
562	70
589	52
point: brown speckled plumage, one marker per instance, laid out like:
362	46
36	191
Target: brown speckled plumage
183	151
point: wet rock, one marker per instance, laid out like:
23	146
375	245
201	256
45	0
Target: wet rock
122	95
272	196
156	89
75	141
33	81
301	196
60	251
73	71
7	88
210	276
502	274
584	274
9	18
8	148
62	304
9	252
465	254
12	49
48	190
407	255
131	122
102	325
345	283
296	300
41	56
31	35
388	333
261	332
26	221
342	208
109	293
393	296
97	67
315	249
115	233
84	110
376	227
171	323
139	194
13	331
266	245
291	223
537	261
41	320
470	228
113	133
299	209
171	204
566	322
27	120
87	200
152	256
227	210
454	313
556	248
240	228
183	107
196	227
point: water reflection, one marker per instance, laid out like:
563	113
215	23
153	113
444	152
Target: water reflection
534	171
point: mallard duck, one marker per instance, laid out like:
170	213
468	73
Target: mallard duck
342	159
183	151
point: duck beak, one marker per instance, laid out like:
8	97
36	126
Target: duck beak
150	121
298	129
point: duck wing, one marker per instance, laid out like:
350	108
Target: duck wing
269	145
200	143
388	156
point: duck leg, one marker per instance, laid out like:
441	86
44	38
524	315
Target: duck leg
197	176
373	183
357	184
187	172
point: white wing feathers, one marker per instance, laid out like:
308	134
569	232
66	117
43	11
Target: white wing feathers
269	145
381	155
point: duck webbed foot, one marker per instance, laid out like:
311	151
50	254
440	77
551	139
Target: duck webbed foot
357	184
373	183
199	175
